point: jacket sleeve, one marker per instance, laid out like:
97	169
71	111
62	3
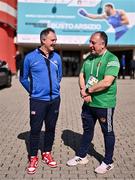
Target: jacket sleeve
24	74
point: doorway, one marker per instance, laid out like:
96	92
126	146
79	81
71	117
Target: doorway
71	63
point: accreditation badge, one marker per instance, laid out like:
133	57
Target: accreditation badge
91	81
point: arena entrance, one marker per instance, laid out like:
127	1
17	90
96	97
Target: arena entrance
71	61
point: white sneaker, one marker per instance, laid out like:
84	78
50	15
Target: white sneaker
103	168
77	160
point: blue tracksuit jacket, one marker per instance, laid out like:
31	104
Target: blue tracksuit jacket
41	76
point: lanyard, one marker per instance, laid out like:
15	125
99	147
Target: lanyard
50	61
99	64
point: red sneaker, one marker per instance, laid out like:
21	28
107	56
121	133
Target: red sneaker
48	159
33	163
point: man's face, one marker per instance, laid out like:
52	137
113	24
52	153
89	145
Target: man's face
96	45
50	41
108	10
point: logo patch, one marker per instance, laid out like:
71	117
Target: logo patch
55	61
113	63
33	112
103	120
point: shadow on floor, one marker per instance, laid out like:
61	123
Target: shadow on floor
25	136
73	139
70	138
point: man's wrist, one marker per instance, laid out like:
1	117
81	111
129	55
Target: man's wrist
86	95
90	90
82	88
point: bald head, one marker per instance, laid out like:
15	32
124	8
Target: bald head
102	35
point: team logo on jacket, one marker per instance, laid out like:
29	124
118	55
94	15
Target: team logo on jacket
33	112
103	120
55	61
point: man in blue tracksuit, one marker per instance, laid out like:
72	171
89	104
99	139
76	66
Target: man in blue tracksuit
40	75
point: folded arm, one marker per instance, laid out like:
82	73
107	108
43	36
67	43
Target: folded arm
102	85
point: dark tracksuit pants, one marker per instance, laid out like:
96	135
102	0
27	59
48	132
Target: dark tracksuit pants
105	118
47	112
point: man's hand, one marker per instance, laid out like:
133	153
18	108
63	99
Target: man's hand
82	12
87	99
90	90
83	93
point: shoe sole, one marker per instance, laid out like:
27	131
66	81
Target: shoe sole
81	163
52	166
28	172
86	162
31	172
105	171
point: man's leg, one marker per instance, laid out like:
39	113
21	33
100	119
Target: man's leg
88	121
105	117
133	73
37	113
36	121
50	125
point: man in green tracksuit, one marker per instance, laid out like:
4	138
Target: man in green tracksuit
97	81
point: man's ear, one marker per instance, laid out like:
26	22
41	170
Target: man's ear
103	45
